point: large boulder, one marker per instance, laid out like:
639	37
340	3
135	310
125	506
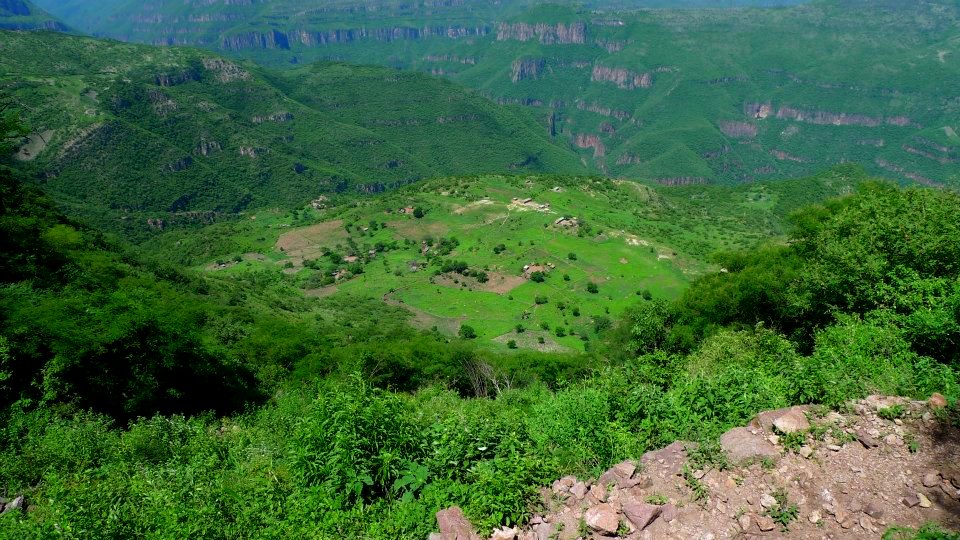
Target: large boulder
742	446
602	518
667	461
641	514
792	421
767	419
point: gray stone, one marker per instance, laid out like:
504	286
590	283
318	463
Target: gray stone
641	514
806	451
16	504
742	446
767	501
911	500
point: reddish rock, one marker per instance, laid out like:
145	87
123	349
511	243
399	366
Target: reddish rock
937	401
579	490
669	512
669	459
791	422
602	518
766	523
455	526
742	446
641	514
766	419
505	534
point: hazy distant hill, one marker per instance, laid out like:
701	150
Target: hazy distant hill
23	15
680	96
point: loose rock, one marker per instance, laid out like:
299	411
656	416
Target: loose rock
742	446
766	523
793	421
937	401
602	518
454	525
641	514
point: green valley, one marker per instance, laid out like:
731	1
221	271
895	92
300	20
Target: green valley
676	95
479	269
512	258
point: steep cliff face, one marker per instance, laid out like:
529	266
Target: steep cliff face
603	110
762	110
527	69
588	140
255	40
623	78
547	34
683	181
276	39
738	130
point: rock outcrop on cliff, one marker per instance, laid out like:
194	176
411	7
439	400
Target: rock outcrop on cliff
796	473
547	34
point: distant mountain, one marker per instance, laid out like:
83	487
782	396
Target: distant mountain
23	15
674	95
131	127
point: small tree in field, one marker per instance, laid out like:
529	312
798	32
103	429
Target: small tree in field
467	332
593	288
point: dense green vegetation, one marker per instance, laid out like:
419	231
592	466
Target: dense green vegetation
669	94
549	273
180	135
358	426
330	300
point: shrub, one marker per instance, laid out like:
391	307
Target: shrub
467	332
593	288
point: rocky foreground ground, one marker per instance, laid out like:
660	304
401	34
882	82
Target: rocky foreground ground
798	473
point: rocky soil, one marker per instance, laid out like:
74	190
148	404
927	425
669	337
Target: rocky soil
798	473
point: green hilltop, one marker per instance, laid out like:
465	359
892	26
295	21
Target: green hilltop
181	130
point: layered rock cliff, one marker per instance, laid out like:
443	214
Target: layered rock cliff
623	78
547	34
